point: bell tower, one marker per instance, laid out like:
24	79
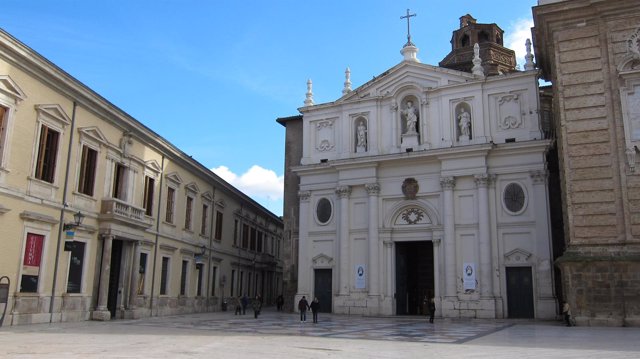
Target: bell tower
496	59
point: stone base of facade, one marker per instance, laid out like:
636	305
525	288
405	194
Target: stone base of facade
602	284
454	307
358	304
102	315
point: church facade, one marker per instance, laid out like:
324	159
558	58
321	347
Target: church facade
425	182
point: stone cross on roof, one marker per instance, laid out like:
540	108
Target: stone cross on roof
408	17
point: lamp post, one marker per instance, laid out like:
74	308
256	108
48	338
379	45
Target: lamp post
69	243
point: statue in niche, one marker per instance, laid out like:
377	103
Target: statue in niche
361	137
464	122
411	117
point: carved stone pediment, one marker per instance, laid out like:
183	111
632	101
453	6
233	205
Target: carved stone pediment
517	256
322	261
9	88
412	215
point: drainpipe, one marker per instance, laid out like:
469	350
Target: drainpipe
64	205
155	247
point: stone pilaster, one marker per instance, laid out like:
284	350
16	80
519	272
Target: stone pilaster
373	189
343	193
304	262
482	182
448	184
102	312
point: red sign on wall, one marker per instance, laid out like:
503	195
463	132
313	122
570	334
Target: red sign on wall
33	250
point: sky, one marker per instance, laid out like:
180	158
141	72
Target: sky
211	77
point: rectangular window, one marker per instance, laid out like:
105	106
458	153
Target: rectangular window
76	263
203	222
149	185
88	164
199	279
3	125
240	285
249	284
187	213
119	182
31	263
253	239
218	225
171	195
214	275
142	270
47	153
259	249
245	236
183	277
164	276
235	232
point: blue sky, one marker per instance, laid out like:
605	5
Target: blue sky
212	76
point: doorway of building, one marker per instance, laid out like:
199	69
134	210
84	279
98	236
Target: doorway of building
519	292
322	289
414	276
114	277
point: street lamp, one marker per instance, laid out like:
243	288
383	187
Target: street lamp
78	218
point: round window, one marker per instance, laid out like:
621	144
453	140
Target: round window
514	197
323	210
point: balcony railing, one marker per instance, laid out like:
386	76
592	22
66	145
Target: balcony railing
117	210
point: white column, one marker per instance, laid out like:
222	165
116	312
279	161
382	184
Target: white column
390	269
304	266
343	193
374	268
448	184
486	285
104	273
135	275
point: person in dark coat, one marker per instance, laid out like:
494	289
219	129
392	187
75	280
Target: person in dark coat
432	309
245	303
315	307
237	304
280	302
303	305
257	306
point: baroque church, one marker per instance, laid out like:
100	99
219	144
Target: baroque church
425	182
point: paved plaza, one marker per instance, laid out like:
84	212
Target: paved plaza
281	335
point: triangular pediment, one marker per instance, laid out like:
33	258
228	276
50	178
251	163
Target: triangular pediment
419	76
207	196
153	165
517	256
174	177
93	133
9	88
193	187
54	112
322	260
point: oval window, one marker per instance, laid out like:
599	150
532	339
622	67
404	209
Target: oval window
323	210
514	197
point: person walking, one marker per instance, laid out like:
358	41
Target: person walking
280	302
315	307
245	303
303	305
237	304
432	309
566	311
257	306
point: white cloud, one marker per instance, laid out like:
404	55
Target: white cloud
261	184
516	35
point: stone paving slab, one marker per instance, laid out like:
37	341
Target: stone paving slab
281	335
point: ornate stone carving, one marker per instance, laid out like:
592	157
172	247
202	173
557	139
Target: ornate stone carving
410	188
372	188
510	122
448	182
482	180
324	135
538	177
631	158
411	216
304	195
633	44
343	191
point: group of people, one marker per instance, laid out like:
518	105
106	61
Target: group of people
241	305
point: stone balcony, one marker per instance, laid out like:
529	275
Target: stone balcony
115	210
